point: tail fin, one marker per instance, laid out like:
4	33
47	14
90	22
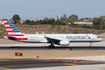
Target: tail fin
13	31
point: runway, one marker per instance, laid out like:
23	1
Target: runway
41	63
55	48
44	46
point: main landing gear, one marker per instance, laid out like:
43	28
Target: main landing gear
52	45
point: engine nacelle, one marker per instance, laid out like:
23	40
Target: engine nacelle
65	43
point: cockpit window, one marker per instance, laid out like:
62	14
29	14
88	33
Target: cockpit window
98	37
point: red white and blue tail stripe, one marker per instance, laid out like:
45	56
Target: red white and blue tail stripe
13	31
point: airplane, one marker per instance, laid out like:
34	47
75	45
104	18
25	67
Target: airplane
59	39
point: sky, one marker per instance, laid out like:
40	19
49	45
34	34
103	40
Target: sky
39	9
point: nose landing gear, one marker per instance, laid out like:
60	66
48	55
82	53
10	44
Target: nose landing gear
90	44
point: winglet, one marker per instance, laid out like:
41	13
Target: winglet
37	32
44	35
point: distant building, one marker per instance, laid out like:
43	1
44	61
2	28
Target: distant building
83	23
36	19
69	23
86	20
21	21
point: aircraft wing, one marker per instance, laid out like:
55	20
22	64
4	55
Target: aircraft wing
52	39
61	42
57	41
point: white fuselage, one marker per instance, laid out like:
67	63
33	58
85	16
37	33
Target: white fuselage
38	38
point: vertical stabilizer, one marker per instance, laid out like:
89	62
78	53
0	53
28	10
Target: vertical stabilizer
13	31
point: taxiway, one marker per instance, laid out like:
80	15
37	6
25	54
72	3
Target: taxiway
41	63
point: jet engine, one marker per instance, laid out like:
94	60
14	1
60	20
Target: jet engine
65	43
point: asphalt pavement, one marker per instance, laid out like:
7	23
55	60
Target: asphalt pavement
34	63
41	63
45	46
55	48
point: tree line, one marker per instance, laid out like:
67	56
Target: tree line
98	22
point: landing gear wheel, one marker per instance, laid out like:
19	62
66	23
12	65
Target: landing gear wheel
51	46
